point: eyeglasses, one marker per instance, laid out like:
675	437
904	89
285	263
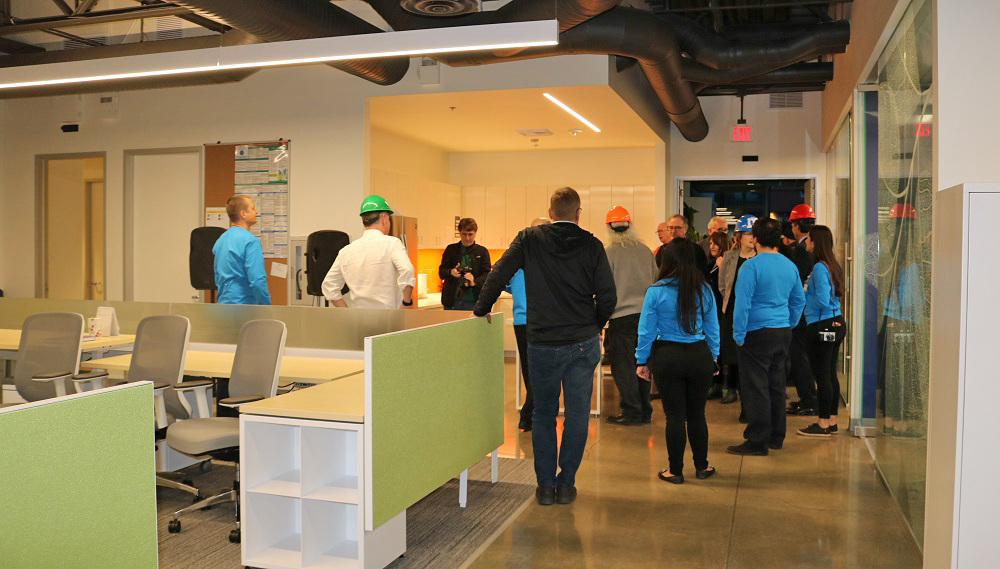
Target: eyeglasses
675	228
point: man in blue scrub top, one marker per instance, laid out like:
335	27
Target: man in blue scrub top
239	258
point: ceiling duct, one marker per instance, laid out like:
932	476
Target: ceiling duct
285	20
629	33
440	8
711	49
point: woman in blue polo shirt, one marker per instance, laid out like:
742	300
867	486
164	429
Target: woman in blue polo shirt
825	328
679	345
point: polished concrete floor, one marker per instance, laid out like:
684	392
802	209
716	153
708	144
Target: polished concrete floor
816	503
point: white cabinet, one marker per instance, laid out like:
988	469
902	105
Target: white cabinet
302	494
434	204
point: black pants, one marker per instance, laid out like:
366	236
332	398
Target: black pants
801	373
683	374
763	367
623	336
521	335
823	356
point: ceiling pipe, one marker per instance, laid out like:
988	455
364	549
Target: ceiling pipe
711	49
284	20
629	33
820	72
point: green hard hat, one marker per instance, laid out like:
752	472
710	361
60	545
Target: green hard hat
375	203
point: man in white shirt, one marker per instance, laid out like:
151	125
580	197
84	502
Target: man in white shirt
375	267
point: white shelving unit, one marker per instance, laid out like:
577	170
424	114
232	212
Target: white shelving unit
302	493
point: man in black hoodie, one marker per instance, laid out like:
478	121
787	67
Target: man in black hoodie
571	294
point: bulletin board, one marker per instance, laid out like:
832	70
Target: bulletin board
259	170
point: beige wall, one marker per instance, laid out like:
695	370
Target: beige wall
394	153
65	248
321	110
872	22
554	167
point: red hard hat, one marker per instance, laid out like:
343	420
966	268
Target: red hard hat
902	211
618	214
802	211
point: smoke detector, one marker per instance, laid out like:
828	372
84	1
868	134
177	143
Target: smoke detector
440	7
533	132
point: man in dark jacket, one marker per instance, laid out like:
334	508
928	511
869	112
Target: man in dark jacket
802	219
464	266
571	294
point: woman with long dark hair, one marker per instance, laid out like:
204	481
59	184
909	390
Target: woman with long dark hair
679	345
825	328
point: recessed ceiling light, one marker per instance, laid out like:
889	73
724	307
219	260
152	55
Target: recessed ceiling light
564	107
534	132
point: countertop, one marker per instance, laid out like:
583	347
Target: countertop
342	400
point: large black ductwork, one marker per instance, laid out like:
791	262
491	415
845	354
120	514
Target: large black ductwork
708	48
799	73
628	33
569	13
284	20
232	37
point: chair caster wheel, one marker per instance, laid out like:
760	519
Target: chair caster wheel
234	536
205	466
188	481
174	526
197	499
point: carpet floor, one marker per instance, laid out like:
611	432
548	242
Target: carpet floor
439	533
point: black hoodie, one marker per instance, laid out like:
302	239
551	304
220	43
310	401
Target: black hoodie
567	281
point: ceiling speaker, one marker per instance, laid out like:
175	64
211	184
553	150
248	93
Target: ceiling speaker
440	7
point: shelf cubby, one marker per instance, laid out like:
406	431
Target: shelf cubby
271	455
330	534
330	462
272	527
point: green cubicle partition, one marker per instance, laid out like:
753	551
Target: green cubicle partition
78	481
433	407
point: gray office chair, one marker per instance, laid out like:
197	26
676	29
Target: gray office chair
161	344
256	366
49	355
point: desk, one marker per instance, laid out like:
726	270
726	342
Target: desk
342	401
220	364
10	341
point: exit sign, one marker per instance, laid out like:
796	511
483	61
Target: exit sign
923	129
742	133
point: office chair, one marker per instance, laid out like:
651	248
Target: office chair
161	344
49	355
254	376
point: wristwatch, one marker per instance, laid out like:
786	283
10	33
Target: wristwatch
407	303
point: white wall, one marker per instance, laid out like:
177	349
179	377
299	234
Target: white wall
323	112
966	145
788	142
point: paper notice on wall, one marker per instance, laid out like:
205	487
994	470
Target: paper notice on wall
279	270
216	217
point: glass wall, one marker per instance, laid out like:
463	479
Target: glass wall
841	191
905	195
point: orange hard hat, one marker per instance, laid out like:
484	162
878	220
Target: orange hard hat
902	211
618	214
802	211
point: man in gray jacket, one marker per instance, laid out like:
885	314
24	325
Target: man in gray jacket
634	269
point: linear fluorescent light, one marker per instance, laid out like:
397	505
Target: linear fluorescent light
572	112
297	52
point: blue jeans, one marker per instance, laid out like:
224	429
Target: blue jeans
568	368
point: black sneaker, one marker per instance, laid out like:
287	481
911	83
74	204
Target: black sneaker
746	449
833	429
647	419
524	425
545	495
775	445
625	420
565	494
815	430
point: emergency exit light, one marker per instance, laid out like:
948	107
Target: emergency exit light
742	133
923	129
